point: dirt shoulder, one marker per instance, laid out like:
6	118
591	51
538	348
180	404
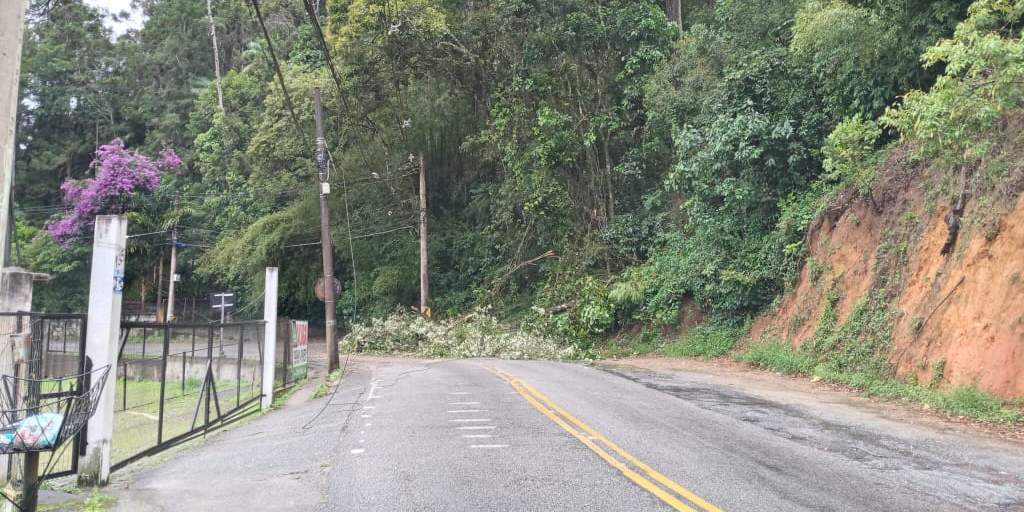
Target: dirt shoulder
816	394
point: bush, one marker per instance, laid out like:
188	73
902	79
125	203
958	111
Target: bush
588	314
982	79
851	158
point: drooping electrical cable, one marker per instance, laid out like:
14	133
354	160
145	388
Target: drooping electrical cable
277	68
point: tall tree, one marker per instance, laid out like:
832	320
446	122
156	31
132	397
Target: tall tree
70	97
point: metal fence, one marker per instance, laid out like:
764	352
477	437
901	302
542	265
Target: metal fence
56	350
177	380
174	381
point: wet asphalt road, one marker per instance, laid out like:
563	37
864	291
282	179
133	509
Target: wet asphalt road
404	435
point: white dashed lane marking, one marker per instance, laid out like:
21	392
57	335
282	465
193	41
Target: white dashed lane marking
472	420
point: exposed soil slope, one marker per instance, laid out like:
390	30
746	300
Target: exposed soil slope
954	318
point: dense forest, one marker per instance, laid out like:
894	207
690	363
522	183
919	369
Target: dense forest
591	165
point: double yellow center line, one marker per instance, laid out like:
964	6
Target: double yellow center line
668	491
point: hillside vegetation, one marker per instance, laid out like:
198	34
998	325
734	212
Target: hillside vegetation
594	170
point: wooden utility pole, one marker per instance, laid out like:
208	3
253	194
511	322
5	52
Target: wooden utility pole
160	289
330	322
174	273
12	26
674	10
424	269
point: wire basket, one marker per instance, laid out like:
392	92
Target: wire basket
40	415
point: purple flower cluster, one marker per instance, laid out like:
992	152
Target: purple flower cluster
120	175
169	160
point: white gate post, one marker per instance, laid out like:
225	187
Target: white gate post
269	336
106	284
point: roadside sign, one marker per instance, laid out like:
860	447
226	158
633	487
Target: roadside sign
300	349
222	301
318	290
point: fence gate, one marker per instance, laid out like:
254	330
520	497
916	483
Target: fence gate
176	381
57	349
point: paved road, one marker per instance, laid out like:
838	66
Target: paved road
404	435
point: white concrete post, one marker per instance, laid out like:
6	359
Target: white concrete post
269	336
12	27
101	336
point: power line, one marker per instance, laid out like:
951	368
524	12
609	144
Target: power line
300	245
318	31
277	68
348	223
368	235
148	234
327	52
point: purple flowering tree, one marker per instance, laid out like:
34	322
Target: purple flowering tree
121	175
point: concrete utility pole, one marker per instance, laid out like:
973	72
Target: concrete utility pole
174	274
101	341
424	270
12	26
325	235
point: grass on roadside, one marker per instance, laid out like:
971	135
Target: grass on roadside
629	348
961	401
98	502
777	357
325	387
95	502
281	398
135	428
704	341
707	341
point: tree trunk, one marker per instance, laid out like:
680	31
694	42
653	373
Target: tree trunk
956	212
216	55
608	178
142	298
424	267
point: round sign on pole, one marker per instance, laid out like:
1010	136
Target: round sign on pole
319	288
